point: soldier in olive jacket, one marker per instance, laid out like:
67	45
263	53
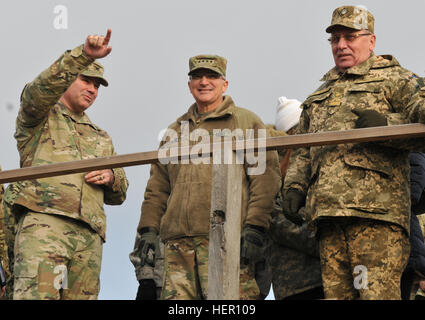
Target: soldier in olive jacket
177	199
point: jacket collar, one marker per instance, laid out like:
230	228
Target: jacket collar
224	109
76	117
374	62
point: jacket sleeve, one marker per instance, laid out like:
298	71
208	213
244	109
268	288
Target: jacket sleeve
412	106
157	192
413	100
40	95
300	238
116	194
299	170
264	180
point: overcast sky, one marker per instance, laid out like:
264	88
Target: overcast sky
274	48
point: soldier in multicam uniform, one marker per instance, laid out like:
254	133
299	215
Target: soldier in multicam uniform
12	213
4	257
357	195
59	238
177	200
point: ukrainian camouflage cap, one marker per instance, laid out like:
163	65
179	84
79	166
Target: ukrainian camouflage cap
354	17
208	61
95	70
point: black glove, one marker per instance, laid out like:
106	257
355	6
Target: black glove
369	118
150	246
293	200
252	241
147	290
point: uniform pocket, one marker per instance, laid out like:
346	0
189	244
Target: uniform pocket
320	106
367	183
369	160
369	94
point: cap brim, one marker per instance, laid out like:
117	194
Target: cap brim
216	70
103	81
333	26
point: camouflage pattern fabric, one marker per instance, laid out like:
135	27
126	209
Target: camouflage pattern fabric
144	272
354	17
293	257
12	214
47	132
4	257
186	271
362	258
263	269
56	258
369	180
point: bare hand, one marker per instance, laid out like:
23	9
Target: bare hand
100	177
97	46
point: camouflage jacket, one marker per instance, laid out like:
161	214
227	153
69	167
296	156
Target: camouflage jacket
293	258
178	196
4	256
48	132
368	180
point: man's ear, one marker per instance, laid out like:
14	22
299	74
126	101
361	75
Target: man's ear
372	42
225	86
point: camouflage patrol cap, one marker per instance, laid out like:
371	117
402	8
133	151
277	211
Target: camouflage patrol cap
95	70
208	61
354	17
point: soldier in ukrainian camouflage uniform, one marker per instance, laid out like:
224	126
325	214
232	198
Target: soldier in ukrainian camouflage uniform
59	238
177	199
357	195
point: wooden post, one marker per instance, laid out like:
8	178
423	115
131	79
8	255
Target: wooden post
225	232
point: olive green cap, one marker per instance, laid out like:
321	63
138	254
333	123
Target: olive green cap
208	61
95	70
354	17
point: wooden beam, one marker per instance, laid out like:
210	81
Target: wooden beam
404	131
276	143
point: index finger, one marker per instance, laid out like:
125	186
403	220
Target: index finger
107	37
92	174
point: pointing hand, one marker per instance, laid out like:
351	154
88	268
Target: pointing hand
97	46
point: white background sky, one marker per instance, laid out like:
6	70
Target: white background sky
274	48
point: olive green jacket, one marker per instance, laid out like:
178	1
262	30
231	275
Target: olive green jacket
177	199
368	180
48	132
